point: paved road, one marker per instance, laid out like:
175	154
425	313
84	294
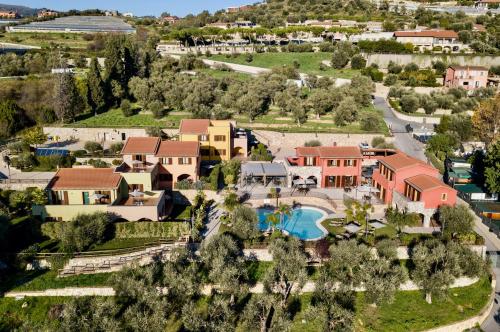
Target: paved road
402	139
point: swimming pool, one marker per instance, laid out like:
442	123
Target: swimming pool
303	223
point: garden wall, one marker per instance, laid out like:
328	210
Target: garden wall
425	60
416	118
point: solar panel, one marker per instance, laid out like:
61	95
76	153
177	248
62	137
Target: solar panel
45	152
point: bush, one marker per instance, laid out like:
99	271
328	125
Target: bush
394	68
116	148
411	67
126	108
214	177
313	142
390	80
340	59
370	123
93	147
167	230
157	109
376	141
248	57
409	103
358	62
117	162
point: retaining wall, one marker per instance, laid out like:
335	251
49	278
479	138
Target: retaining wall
425	60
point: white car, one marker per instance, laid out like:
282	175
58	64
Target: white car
364	145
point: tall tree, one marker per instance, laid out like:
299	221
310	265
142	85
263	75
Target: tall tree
486	120
95	87
382	278
67	100
347	262
455	220
12	118
492	168
288	269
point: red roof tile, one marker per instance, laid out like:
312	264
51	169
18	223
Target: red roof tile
427	33
425	182
469	68
85	178
194	126
178	149
401	160
146	145
329	152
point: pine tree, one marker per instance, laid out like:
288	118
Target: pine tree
67	100
95	88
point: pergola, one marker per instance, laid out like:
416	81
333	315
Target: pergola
263	173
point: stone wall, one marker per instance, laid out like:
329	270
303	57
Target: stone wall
425	60
416	118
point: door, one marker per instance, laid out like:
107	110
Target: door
65	197
86	200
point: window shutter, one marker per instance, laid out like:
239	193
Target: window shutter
189	160
355	163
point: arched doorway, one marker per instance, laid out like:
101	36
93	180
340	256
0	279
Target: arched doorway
183	177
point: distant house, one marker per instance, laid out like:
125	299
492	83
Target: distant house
8	14
428	39
487	4
467	77
47	13
238	9
472	192
170	19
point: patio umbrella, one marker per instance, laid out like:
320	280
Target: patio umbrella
136	193
97	196
299	182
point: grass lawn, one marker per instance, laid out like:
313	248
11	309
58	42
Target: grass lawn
71	40
309	62
409	311
45	279
223	74
181	212
13	314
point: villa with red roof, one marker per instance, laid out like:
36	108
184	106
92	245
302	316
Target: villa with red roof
133	191
429	39
412	185
325	166
467	77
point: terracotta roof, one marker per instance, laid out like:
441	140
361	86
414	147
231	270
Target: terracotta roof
469	68
427	33
194	126
330	152
146	145
401	160
85	178
424	182
178	149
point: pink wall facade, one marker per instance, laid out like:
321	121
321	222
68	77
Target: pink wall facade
327	171
469	79
434	198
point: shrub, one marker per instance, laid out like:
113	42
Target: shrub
248	57
409	103
126	108
376	141
394	68
156	109
79	153
93	147
170	230
214	177
370	122
117	162
390	79
358	62
116	148
411	67
18	147
313	142
340	59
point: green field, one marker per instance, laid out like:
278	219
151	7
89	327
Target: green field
115	118
215	73
309	62
71	40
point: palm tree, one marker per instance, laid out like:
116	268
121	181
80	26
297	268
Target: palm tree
273	219
283	210
231	201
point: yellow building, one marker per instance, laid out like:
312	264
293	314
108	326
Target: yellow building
217	138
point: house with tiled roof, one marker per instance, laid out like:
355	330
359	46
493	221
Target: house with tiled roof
325	166
467	77
411	185
219	139
430	39
132	191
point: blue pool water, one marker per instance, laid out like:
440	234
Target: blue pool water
301	224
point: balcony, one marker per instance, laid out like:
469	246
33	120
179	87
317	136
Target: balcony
136	168
403	202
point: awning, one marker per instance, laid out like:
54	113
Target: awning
263	169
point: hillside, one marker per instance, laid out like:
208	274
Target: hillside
22	10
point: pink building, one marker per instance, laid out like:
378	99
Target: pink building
412	185
328	167
467	77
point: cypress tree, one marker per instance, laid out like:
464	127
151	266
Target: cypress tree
95	88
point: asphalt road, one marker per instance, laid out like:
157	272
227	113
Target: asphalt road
403	141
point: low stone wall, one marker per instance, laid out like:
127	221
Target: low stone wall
425	60
416	118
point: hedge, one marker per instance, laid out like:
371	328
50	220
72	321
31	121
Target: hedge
134	229
151	229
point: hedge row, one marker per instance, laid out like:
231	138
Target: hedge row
126	230
151	229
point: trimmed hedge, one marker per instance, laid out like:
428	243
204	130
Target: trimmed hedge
151	229
127	230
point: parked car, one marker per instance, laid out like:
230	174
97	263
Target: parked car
364	145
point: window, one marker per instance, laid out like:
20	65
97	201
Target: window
477	84
309	161
349	162
466	83
124	136
166	161
333	163
220	138
184	161
139	157
222	152
203	138
444	197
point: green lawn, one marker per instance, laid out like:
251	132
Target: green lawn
46	279
409	311
181	212
13	315
71	40
118	243
215	73
309	62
